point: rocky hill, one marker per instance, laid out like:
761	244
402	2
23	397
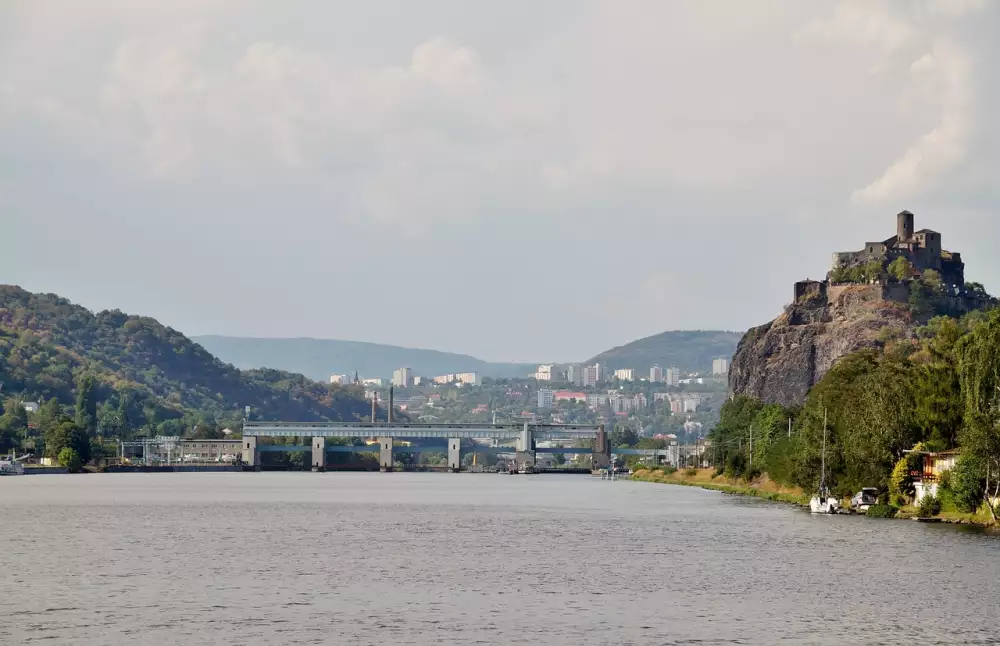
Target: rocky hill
781	360
166	380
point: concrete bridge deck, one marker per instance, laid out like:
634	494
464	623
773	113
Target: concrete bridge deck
421	431
524	436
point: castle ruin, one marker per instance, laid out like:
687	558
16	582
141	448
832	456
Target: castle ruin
922	248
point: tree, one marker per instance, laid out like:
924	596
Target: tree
624	436
13	424
901	483
86	403
70	459
901	269
967	484
67	434
978	355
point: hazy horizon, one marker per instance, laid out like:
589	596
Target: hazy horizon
512	181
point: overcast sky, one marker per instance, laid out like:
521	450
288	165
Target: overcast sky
515	179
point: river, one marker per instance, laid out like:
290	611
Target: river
414	558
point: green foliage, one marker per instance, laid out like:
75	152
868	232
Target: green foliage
900	269
929	506
967	484
129	375
691	472
900	482
864	273
70	459
67	434
882	511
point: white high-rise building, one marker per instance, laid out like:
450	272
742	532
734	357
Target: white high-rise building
625	374
672	376
720	366
342	380
656	374
545	397
546	372
401	378
592	375
574	374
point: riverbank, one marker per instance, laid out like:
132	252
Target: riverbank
762	488
765	489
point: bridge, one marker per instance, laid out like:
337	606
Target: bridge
523	435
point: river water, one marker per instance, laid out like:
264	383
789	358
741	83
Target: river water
301	558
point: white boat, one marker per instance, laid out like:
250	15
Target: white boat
823	502
11	467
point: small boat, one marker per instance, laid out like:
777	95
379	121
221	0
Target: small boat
823	502
11	467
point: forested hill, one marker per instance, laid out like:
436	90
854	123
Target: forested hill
165	379
319	358
689	350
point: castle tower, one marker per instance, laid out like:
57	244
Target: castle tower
904	226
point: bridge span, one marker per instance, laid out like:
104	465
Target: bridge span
524	435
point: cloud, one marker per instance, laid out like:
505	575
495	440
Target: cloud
534	162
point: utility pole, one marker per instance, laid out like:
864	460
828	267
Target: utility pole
789	428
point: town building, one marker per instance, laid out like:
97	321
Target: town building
546	372
574	374
378	382
462	378
656	374
402	378
625	374
545	397
30	407
672	376
720	366
597	400
592	375
340	380
569	395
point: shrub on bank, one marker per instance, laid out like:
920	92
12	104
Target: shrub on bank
882	511
691	472
929	506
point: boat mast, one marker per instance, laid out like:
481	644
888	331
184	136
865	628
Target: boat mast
822	476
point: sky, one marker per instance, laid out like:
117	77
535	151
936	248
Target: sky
517	180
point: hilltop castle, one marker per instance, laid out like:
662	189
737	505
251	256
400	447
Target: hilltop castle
922	248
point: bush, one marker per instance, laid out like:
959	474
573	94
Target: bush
929	506
752	474
735	464
882	511
691	471
70	459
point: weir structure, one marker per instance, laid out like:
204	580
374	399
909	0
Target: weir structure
524	436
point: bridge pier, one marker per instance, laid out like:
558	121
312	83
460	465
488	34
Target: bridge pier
385	454
319	454
250	455
601	457
455	455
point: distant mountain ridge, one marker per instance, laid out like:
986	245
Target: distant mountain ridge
689	350
319	358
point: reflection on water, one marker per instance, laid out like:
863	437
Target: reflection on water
295	558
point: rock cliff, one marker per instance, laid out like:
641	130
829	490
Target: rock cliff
780	361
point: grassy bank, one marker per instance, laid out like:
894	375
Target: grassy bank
706	479
765	489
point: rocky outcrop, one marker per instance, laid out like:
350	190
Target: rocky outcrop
780	361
